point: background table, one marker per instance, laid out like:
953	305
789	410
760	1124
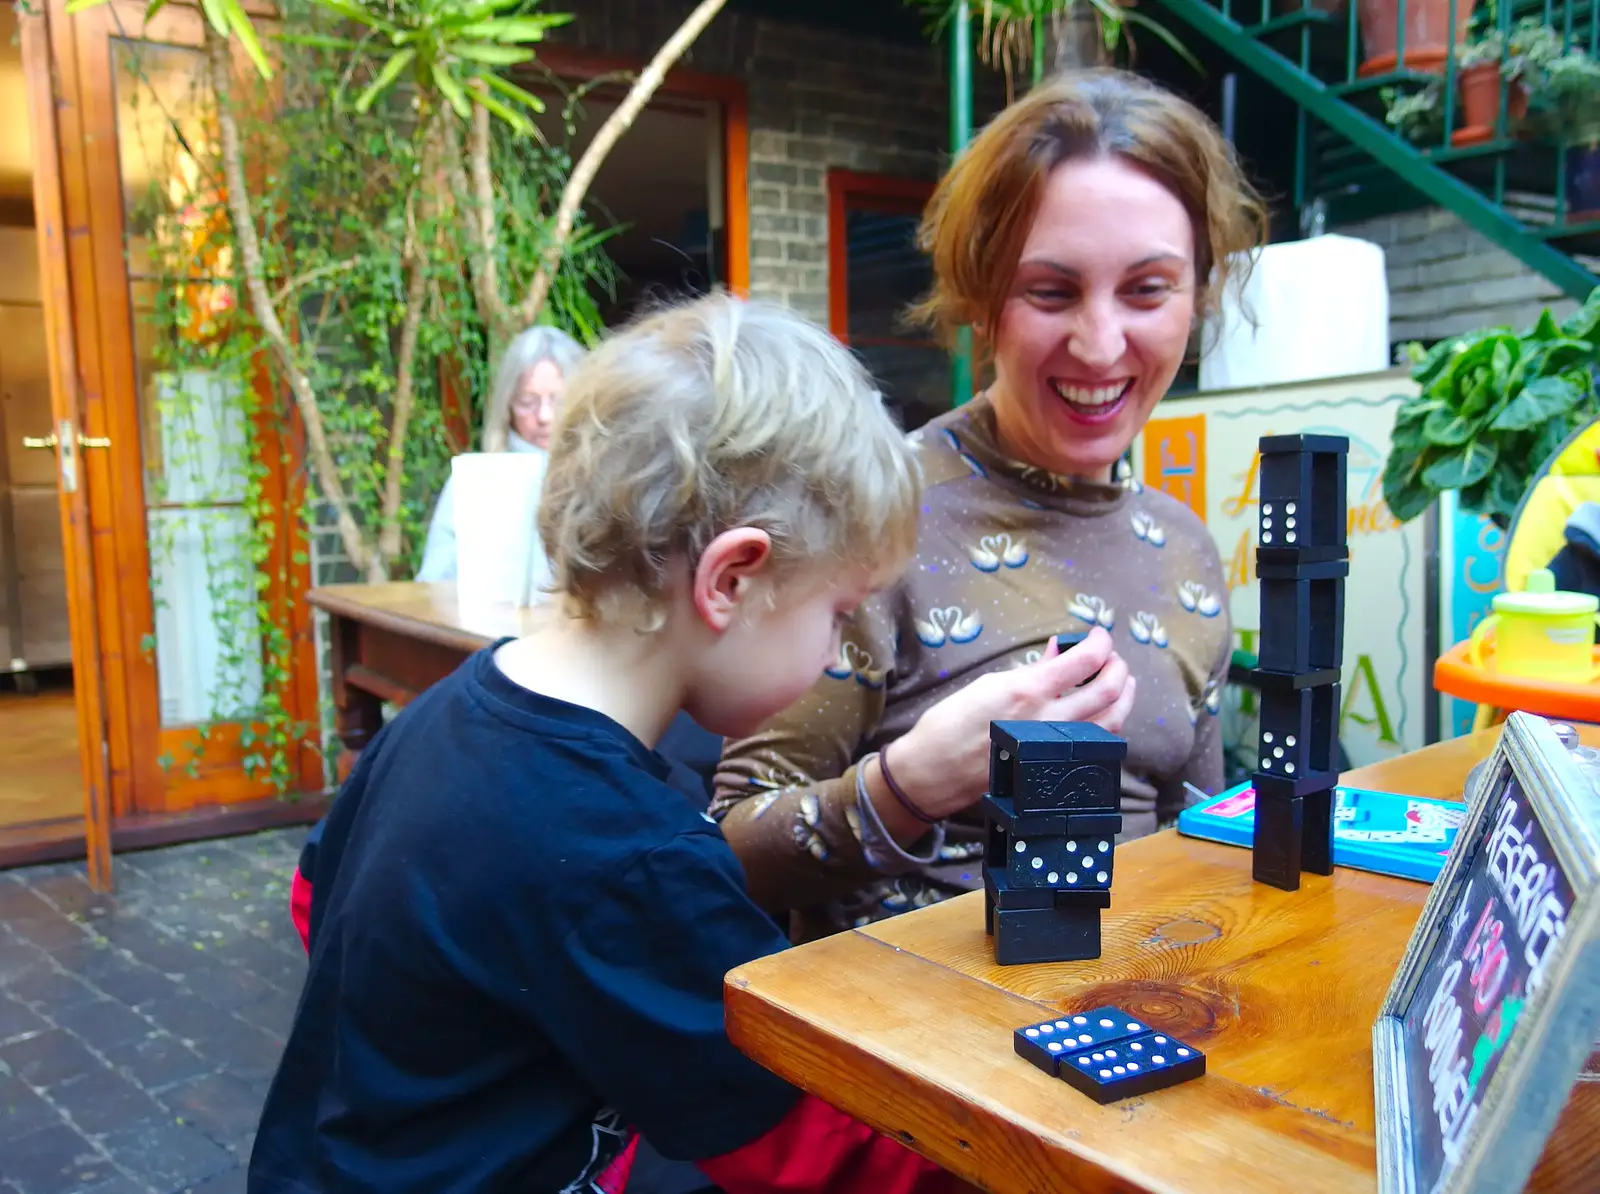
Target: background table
907	1024
392	641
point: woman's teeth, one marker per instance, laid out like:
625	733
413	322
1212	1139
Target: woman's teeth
1090	396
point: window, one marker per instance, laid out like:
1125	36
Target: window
875	272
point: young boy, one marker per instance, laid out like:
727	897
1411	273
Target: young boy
518	929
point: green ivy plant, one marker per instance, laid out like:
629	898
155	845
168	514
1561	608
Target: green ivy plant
361	260
328	238
1492	407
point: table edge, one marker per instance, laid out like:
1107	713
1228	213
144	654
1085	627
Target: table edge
339	604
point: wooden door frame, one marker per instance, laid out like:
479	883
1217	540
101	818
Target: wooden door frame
89	695
580	65
149	788
849	190
87	302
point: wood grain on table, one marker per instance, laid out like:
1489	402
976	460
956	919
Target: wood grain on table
907	1024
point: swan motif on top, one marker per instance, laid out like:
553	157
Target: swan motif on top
951	624
1147	529
992	551
853	661
1198	599
1147	628
1125	478
1092	610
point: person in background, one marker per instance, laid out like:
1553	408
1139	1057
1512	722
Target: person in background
521	411
519	930
1084	235
1576	566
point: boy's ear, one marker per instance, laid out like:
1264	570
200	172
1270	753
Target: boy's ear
727	573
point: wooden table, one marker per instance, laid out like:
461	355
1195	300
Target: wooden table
391	641
907	1024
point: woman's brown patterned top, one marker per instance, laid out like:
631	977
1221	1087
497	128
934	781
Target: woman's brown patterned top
1007	556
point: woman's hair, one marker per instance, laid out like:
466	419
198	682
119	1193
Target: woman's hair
712	414
980	215
527	350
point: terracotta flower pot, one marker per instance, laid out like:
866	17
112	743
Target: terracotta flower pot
1480	103
1427	33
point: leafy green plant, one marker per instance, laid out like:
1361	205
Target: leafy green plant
1418	116
1564	92
1492	407
1018	34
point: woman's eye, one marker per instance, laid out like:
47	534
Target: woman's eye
1151	288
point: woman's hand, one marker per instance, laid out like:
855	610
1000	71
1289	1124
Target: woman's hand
942	762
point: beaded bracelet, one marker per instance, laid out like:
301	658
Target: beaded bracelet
896	791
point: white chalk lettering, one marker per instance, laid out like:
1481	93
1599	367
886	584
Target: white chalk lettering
1550	922
1447	1069
1528	884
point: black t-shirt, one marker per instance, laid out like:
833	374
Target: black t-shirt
518	939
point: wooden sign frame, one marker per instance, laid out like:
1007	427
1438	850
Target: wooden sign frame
1554	1032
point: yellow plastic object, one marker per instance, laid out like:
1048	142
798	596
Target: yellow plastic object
1541	632
1571	479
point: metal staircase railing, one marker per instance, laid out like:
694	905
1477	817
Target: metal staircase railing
1488	176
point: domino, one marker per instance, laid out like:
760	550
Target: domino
1136	1066
1107	1054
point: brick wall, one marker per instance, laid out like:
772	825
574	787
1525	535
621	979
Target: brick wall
1445	278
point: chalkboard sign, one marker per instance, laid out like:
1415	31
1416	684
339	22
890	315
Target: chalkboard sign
1496	1004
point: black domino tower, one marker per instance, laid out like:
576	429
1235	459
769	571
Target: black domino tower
1053	812
1302	560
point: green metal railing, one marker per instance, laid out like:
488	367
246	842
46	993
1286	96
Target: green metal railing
960	133
1343	138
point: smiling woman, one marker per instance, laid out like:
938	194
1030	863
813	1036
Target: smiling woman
1082	235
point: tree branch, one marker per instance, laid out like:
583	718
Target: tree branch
414	256
498	316
475	200
616	124
255	282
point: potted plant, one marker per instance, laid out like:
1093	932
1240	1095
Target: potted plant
1482	66
1427	32
1492	407
1566	91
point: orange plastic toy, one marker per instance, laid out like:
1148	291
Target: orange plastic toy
1455	675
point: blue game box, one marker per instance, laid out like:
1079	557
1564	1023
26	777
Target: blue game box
1406	836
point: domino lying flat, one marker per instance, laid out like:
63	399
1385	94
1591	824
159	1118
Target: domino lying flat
1108	1055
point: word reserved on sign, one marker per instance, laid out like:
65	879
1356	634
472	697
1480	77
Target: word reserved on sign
1497	1001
